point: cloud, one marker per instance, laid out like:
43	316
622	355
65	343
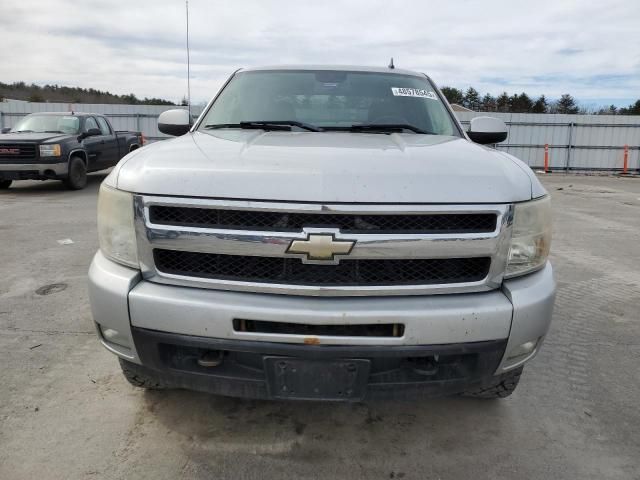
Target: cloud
569	51
550	47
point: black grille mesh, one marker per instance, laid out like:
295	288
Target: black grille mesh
339	330
347	273
348	223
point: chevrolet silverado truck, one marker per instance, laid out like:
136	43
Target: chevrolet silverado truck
324	233
63	146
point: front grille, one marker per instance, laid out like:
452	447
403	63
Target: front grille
292	271
347	223
17	151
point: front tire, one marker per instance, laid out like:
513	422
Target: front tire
138	377
502	386
77	176
4	184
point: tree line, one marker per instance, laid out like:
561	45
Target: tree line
523	103
471	99
61	94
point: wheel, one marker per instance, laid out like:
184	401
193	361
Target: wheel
503	386
139	377
77	176
4	184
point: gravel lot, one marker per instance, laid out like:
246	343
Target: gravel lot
67	413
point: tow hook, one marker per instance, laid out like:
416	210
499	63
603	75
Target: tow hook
211	358
424	365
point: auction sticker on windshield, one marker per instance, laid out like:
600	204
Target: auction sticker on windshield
413	92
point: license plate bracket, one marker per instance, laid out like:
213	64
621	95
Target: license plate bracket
302	379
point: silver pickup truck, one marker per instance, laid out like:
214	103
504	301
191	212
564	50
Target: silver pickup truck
324	233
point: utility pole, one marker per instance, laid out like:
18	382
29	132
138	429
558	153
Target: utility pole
188	65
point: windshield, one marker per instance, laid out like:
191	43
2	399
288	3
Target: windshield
331	100
48	123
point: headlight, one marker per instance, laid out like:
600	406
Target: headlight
531	237
52	150
116	231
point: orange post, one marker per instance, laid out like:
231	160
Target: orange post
546	157
625	162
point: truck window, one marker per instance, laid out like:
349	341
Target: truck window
48	123
104	126
332	99
90	123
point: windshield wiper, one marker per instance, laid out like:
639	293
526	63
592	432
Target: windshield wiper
21	131
266	125
52	131
382	127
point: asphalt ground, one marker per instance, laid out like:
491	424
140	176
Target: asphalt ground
66	412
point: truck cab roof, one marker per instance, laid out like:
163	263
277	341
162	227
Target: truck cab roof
76	114
345	68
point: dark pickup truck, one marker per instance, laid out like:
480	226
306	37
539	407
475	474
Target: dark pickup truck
62	146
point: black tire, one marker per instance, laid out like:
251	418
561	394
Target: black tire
503	386
77	177
4	184
138	377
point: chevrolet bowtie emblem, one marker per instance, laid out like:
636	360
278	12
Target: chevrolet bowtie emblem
321	246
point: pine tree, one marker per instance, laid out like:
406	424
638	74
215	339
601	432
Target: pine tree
633	109
489	103
520	103
610	110
540	105
503	102
471	99
453	95
131	99
566	104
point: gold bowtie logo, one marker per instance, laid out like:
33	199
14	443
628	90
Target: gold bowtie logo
321	247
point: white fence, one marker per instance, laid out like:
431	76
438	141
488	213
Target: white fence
576	142
141	118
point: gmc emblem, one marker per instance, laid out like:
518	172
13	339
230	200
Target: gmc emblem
9	151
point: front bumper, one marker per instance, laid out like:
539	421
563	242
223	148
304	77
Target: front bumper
142	312
57	168
391	372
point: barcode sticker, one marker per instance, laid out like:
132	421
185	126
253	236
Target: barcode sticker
413	92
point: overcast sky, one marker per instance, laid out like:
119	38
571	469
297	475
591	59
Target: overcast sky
589	49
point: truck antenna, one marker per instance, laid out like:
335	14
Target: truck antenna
391	65
188	66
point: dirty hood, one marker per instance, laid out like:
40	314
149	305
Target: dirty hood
329	167
32	137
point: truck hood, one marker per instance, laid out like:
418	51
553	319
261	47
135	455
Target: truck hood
32	137
329	167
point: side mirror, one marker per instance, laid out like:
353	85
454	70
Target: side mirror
486	130
6	130
92	132
174	122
